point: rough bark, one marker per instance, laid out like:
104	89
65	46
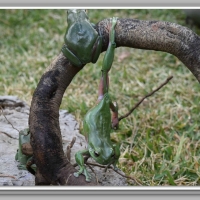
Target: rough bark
53	167
160	36
52	164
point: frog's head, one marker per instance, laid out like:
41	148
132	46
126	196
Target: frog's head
103	155
82	42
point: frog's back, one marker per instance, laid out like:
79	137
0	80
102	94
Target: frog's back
81	35
97	122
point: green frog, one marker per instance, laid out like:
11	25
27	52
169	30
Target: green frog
82	42
97	123
24	153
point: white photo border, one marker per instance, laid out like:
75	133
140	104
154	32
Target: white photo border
133	190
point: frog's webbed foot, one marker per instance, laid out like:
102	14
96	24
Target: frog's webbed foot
114	21
83	171
21	167
110	24
80	161
115	168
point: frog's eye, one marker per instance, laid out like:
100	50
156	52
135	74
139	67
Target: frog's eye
96	154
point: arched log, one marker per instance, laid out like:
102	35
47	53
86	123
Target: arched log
52	165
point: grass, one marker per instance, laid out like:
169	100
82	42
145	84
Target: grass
160	139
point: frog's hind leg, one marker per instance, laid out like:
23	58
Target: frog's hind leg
102	86
117	155
108	58
115	119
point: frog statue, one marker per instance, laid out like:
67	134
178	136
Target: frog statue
24	153
97	122
82	42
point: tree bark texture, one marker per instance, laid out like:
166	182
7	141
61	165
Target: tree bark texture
53	167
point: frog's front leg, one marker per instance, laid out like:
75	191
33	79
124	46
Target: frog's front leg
30	165
23	160
109	55
80	161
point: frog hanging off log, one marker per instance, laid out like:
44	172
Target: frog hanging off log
82	42
97	122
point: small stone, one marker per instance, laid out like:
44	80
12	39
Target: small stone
17	182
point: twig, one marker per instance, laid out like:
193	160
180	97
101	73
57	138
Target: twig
68	151
102	166
134	179
110	167
93	172
68	178
2	175
148	95
10	136
107	166
74	142
8	120
20	104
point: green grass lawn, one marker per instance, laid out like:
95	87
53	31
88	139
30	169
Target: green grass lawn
160	139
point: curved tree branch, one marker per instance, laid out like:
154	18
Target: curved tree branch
46	141
160	36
